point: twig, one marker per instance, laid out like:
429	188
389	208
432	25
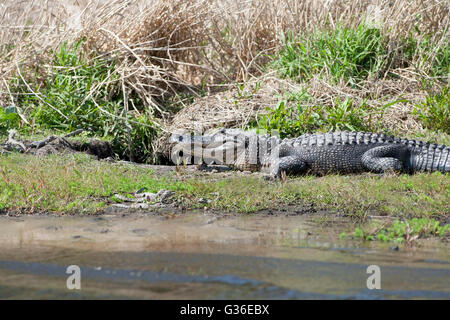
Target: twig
41	143
74	133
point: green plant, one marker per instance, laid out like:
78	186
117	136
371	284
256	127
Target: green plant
400	230
434	112
133	141
292	116
9	118
349	53
66	99
87	93
345	115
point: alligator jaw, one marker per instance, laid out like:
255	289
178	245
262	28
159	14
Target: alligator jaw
219	147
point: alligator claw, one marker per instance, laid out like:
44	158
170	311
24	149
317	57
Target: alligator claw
269	177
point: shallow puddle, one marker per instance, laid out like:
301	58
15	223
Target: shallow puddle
203	256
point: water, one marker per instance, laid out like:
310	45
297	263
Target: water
201	256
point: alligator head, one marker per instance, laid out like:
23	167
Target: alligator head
233	147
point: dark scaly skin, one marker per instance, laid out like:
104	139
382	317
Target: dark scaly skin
338	152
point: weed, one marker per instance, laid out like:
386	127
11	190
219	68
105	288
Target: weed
82	93
9	119
293	120
345	53
400	230
427	56
71	183
434	112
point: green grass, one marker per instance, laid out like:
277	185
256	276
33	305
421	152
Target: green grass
79	184
9	119
427	56
70	184
293	120
345	53
434	112
357	196
400	231
355	54
295	114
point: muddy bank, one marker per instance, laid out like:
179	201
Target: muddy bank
195	231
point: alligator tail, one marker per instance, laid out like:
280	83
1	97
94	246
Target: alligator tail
431	158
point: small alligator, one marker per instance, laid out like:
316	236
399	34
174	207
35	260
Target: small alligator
321	153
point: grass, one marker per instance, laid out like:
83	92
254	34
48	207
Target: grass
434	112
427	56
360	196
400	231
9	119
71	184
351	54
72	78
354	54
348	60
296	113
293	119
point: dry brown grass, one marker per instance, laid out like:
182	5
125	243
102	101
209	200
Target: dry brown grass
164	47
164	43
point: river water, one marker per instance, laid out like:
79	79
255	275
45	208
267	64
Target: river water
205	256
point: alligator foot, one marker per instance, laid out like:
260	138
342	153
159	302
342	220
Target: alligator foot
289	165
384	158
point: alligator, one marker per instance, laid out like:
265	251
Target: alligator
320	153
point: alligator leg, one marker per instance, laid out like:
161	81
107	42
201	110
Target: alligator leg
289	164
385	158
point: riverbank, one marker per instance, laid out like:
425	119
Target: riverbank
77	184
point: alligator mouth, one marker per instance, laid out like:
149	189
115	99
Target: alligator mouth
220	147
220	139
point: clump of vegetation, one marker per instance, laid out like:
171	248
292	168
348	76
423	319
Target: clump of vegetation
434	112
82	93
9	119
358	53
401	230
75	93
346	53
428	56
294	115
